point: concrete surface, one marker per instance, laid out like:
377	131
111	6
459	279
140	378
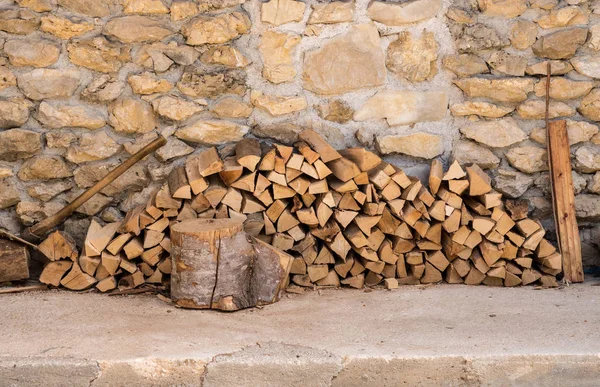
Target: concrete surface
436	335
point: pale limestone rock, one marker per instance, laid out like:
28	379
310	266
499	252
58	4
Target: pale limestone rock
557	67
465	65
285	132
137	29
174	148
528	159
587	208
478	37
14	112
174	108
423	145
103	89
183	9
590	105
503	90
404	107
560	45
504	8
563	17
277	105
469	152
330	13
160	56
38	5
276	49
460	15
357	52
49	83
535	110
131	116
45	191
18	22
64	28
5	171
88	174
197	83
212	132
35	53
134	179
508	64
594	40
231	107
9	196
80	116
97	203
523	34
543	4
148	83
216	29
512	183
577	131
397	14
111	214
44	167
225	55
594	184
278	12
413	59
563	88
145	7
595	139
132	147
19	144
93	146
335	110
33	212
91	8
495	134
98	54
482	109
587	159
212	5
60	139
579	182
588	65
7	78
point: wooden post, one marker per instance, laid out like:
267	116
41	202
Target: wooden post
559	160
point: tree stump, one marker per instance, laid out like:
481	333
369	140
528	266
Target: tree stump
14	259
216	265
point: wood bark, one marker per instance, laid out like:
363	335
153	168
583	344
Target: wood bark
14	261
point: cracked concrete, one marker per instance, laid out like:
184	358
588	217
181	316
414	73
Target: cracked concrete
436	335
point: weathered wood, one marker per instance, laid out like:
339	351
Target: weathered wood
14	261
59	245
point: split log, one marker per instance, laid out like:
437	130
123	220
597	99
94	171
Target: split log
14	261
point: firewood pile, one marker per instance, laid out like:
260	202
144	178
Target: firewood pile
347	218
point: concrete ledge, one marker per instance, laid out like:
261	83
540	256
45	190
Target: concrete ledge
437	335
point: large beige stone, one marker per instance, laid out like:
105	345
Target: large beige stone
512	183
422	145
97	203
92	8
577	131
590	105
137	29
397	14
528	159
14	112
60	138
460	15
496	133
276	49
482	109
174	148
278	12
503	8
231	107
130	115
523	34
285	132
174	108
38	5
587	159
18	22
49	83
330	13
404	107
508	64
594	184
98	54
469	152
216	29
81	116
145	7
103	89
413	58
33	212
7	78
88	174
594	40
335	110
45	191
474	38
346	62
465	65
212	132
160	56
543	4
587	208
63	27
148	83
134	146
6	171
44	167
9	196
563	17
197	83
503	90
225	55
561	44
277	105
93	146
19	144
536	109
557	67
588	65
563	88
181	10
134	179
35	53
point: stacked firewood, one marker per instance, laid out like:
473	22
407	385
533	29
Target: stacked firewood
347	217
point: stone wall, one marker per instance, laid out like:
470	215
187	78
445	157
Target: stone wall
86	83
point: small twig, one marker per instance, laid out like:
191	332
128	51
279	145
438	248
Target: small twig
12	237
21	289
134	291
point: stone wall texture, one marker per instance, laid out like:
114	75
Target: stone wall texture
86	83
